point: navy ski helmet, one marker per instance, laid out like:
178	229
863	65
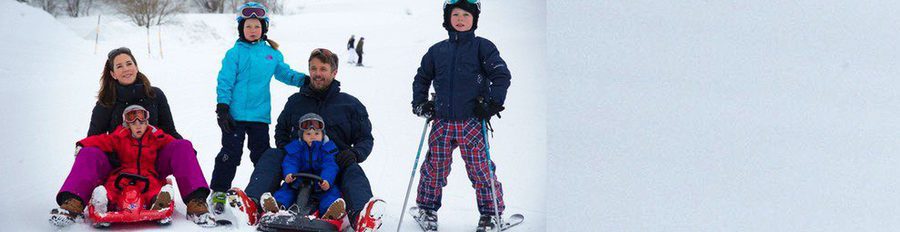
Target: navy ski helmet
471	6
253	10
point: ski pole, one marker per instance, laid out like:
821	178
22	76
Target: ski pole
487	150
413	174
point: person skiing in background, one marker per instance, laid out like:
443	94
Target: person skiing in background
359	51
313	153
351	42
351	51
470	80
243	99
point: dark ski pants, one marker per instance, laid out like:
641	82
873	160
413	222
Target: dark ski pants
359	61
229	157
352	182
445	136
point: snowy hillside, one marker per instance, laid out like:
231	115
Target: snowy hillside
728	115
50	74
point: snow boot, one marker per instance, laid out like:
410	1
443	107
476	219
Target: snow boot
336	210
370	216
198	212
218	202
163	199
269	204
71	211
99	200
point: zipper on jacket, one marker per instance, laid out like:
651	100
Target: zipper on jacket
140	145
453	74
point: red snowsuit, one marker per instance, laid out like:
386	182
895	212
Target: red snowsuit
136	156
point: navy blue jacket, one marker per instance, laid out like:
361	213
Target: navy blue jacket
346	120
462	68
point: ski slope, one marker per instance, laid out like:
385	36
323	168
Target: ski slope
50	77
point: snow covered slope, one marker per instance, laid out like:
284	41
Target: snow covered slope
50	75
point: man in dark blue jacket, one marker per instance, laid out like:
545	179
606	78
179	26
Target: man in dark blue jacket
470	80
347	125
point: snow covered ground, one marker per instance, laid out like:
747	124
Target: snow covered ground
726	115
50	76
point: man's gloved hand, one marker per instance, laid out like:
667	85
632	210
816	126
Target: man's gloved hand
345	158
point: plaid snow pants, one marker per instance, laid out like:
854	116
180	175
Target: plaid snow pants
445	136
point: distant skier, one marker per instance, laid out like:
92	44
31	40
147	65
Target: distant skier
471	81
351	51
351	42
359	51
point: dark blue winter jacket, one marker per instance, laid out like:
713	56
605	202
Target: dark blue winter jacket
316	159
346	120
462	68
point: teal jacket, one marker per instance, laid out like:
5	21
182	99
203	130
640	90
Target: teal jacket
243	81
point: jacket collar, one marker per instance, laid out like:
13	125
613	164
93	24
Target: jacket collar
307	90
456	36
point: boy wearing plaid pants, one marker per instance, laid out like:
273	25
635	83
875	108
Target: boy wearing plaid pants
470	80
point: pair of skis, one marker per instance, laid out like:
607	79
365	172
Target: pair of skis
504	224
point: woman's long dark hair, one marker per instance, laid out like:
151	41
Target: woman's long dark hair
107	94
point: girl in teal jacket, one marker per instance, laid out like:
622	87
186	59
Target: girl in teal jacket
243	99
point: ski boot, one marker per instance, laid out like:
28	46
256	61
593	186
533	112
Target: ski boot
427	219
487	223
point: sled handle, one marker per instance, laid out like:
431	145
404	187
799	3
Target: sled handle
134	179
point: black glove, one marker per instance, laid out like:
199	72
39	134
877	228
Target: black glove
345	158
424	109
484	110
226	122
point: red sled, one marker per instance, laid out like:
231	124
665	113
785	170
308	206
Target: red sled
130	204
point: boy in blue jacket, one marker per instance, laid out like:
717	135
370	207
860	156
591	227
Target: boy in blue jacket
470	80
243	99
313	154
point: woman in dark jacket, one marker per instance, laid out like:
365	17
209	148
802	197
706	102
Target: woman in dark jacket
121	85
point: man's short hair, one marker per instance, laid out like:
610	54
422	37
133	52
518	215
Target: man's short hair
325	56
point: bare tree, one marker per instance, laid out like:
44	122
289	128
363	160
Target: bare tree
211	6
145	13
50	6
77	8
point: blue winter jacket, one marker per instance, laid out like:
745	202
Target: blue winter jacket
346	120
316	159
243	81
461	69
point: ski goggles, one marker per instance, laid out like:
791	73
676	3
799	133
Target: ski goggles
451	2
312	125
136	115
253	12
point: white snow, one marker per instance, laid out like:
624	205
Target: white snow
50	76
726	115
